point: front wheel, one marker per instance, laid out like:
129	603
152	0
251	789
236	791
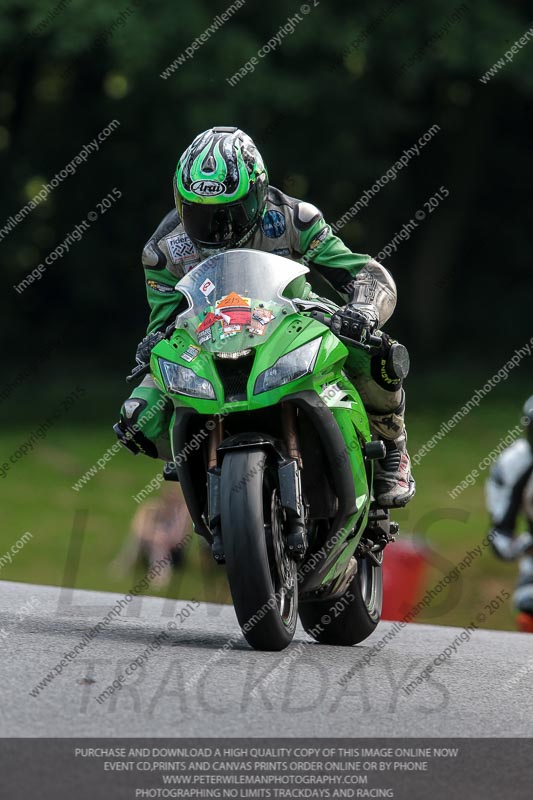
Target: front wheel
351	617
262	576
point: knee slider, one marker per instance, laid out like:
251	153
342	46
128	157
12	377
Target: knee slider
129	413
390	365
127	430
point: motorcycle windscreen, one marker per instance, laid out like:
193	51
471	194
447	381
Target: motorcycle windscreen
237	298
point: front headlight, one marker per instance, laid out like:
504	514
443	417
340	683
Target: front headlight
289	367
183	380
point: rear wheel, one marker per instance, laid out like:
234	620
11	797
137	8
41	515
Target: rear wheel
261	575
351	617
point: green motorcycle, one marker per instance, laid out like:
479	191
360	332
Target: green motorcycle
273	449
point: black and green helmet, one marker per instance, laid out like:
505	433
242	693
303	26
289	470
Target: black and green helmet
220	187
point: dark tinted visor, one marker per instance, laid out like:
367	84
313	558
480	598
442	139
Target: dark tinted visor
219	225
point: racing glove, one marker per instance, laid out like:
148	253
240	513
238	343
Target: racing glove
356	321
146	345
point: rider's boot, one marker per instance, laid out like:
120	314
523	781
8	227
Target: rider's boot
394	485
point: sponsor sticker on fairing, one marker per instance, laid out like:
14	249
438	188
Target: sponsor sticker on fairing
207	287
190	353
229	330
224	317
236	308
204	336
260	318
203	331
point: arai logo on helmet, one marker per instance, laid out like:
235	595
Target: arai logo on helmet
208	188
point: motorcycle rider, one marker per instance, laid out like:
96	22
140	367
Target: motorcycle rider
224	201
509	492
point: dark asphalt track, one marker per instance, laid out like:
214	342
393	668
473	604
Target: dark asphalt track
191	687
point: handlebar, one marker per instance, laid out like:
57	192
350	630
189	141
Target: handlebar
373	342
143	369
137	372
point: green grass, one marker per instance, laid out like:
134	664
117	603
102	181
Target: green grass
36	496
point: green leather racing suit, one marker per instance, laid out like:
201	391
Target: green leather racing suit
295	230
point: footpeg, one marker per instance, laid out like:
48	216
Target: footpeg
170	472
380	531
374	450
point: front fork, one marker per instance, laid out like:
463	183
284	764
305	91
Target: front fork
290	485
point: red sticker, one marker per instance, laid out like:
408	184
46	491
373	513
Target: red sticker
203	331
235	308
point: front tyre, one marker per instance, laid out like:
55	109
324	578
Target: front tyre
351	617
262	577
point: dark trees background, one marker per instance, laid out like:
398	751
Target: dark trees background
331	109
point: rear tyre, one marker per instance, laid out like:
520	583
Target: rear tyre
261	575
351	617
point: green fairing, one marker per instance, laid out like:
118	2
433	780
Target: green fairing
289	330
